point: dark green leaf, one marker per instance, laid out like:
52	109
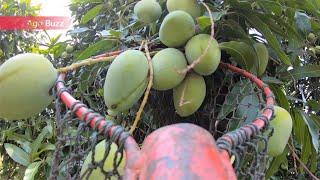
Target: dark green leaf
315	105
37	142
241	52
102	45
280	96
271	80
313	130
316	120
92	13
302	72
265	30
276	163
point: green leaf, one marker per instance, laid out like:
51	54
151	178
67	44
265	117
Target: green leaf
270	6
232	99
92	13
303	21
32	170
280	96
271	80
37	142
241	52
306	149
299	127
17	154
315	105
232	29
247	111
302	72
313	130
255	21
316	120
276	163
102	45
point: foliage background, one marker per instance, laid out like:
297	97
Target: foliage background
101	26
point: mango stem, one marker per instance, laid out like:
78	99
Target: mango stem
194	63
147	92
86	62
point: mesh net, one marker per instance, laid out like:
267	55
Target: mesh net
231	102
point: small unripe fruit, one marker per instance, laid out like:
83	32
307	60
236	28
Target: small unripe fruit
108	166
176	29
64	55
312	37
189	95
148	11
69	48
25	83
167	66
126	80
190	6
263	58
282	124
196	46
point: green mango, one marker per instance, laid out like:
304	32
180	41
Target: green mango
263	58
189	95
196	47
25	84
282	124
97	174
190	6
126	80
147	11
176	29
167	66
69	48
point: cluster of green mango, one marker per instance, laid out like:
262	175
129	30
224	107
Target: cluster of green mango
127	76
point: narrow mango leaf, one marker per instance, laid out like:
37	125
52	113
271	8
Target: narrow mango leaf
302	72
314	161
315	105
306	149
276	163
271	80
313	130
255	21
31	171
280	96
316	120
102	45
299	127
92	13
233	29
239	90
37	142
241	52
17	154
270	6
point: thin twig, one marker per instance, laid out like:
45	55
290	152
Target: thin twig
147	93
196	62
301	163
86	62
